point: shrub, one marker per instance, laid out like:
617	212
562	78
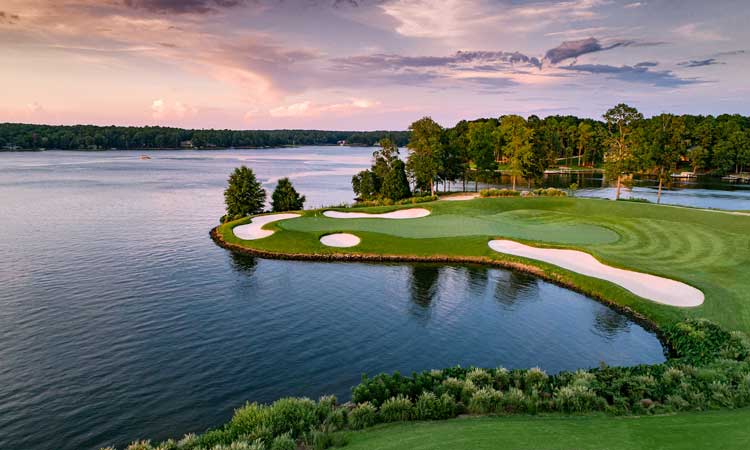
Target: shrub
248	418
426	406
699	341
550	192
363	416
535	377
294	415
486	401
479	377
283	442
453	386
514	401
396	409
501	377
499	193
577	399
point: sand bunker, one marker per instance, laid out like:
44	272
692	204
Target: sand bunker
412	213
460	197
657	289
340	240
253	230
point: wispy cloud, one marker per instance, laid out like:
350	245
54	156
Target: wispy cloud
634	74
183	6
700	62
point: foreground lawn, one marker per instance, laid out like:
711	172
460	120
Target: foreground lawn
706	249
710	430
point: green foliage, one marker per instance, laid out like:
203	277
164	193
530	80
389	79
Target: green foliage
397	409
283	442
244	195
395	184
431	407
549	192
486	193
91	137
699	341
362	416
286	198
365	185
423	163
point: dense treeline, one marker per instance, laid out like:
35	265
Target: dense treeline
623	143
90	137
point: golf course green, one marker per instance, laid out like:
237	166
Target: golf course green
707	250
724	429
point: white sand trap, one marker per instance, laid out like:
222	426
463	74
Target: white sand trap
340	240
657	289
413	213
254	229
461	197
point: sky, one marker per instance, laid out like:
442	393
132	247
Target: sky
366	64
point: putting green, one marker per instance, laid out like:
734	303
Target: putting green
705	249
521	224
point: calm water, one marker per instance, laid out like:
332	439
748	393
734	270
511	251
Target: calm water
119	317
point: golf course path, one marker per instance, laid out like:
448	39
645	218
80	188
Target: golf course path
254	229
651	287
413	213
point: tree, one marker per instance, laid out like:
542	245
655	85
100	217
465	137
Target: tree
481	146
395	184
365	185
664	144
518	145
425	144
619	157
244	195
286	198
384	159
584	139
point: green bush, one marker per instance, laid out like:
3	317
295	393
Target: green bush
577	399
535	377
431	407
486	401
293	415
363	416
248	419
283	442
549	192
499	193
397	409
480	377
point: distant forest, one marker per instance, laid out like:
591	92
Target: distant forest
706	144
89	137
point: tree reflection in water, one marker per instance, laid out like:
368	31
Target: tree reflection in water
609	323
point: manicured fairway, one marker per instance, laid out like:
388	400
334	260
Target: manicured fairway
727	430
708	250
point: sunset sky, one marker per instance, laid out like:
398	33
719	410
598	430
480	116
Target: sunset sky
365	64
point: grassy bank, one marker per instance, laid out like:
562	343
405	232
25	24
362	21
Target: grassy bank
708	250
717	429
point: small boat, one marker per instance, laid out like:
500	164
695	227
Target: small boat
683	175
145	157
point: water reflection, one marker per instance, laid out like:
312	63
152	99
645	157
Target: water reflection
244	263
609	323
512	288
423	284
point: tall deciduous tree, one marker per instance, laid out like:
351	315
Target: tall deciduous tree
621	121
425	143
481	146
244	195
395	183
286	198
664	143
518	146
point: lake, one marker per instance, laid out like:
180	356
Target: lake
121	319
